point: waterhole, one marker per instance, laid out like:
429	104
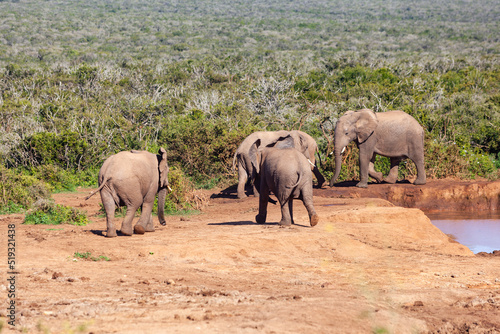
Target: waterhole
479	232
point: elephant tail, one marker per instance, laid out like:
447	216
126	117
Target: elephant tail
98	189
297	183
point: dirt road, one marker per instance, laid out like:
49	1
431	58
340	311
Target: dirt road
367	267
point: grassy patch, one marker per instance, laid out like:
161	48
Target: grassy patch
48	213
88	256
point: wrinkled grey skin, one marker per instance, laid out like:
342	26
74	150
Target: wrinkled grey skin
307	146
303	142
393	134
286	172
133	178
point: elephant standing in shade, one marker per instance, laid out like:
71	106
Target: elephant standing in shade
133	178
393	134
286	172
303	142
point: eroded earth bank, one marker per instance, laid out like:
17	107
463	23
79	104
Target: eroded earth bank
369	266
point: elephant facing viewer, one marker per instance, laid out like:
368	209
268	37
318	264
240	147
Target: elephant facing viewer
286	172
133	178
393	134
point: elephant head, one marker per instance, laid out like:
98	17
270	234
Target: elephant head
256	150
163	183
353	125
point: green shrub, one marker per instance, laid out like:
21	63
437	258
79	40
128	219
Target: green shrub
19	191
66	150
65	179
181	196
48	213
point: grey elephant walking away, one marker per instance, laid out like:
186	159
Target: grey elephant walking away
286	172
302	141
242	158
132	179
393	134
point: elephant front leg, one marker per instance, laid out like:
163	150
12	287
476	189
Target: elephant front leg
364	164
242	180
263	200
378	176
393	174
319	176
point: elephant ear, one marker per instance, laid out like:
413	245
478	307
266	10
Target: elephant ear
301	143
365	125
163	167
255	155
304	146
285	142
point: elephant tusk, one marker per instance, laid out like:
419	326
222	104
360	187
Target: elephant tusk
343	149
169	189
311	163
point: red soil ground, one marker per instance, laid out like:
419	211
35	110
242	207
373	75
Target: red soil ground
369	266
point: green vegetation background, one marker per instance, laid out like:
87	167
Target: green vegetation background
81	80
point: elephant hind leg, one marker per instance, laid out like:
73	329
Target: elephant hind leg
109	206
421	179
286	212
308	203
145	223
127	221
393	173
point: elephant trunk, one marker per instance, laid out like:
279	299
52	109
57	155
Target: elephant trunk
162	194
339	149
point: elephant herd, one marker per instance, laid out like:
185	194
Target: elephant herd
281	162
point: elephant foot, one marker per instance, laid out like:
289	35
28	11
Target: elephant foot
390	180
285	223
314	220
362	184
260	219
139	229
419	182
378	177
111	233
126	232
242	196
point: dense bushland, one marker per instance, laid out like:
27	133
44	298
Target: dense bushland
82	80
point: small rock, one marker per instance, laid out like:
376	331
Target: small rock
56	275
418	303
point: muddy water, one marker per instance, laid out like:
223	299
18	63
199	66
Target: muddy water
479	232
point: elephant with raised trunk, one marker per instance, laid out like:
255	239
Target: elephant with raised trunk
302	141
286	172
133	178
393	134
